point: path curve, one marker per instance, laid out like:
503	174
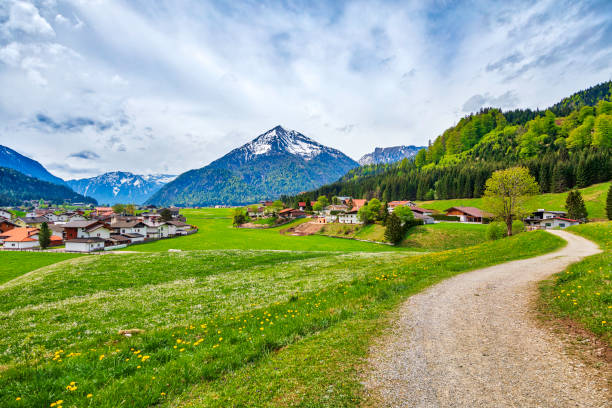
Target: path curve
471	341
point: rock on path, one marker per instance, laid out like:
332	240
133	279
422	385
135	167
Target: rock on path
471	341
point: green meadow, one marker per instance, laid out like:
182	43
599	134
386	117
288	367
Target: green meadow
13	264
583	292
224	327
594	199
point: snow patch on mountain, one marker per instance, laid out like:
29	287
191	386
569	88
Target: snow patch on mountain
390	154
279	140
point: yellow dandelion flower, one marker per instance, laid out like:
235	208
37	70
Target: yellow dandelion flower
89	395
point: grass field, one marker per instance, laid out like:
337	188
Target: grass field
14	264
583	292
445	235
594	199
216	232
223	327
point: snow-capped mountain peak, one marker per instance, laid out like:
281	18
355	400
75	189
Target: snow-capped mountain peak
121	186
280	139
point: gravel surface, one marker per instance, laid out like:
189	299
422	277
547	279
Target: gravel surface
471	341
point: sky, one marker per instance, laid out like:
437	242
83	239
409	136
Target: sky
152	86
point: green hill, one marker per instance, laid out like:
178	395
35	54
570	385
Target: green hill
15	187
594	199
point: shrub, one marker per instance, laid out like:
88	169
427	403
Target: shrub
496	230
517	226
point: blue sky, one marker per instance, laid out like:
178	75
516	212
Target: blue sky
88	86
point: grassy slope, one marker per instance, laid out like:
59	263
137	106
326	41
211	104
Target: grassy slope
216	232
13	264
433	237
445	235
212	305
583	292
594	198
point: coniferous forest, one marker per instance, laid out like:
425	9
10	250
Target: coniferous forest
568	145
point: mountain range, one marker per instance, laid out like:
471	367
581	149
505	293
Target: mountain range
11	159
277	162
390	154
120	187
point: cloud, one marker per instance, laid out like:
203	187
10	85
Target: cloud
182	83
68	169
85	155
25	17
76	124
506	100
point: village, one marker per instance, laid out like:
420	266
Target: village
348	210
88	230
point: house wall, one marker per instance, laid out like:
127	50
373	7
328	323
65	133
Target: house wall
20	245
70	233
84	246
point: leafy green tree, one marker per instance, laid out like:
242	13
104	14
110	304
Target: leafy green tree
404	213
421	158
130	209
240	217
580	137
574	204
609	203
321	203
602	135
375	206
506	192
393	229
44	236
166	214
118	208
366	215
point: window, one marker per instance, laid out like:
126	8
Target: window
548	224
562	225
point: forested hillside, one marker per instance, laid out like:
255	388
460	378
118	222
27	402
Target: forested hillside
15	187
565	146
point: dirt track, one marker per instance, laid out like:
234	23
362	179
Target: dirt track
471	341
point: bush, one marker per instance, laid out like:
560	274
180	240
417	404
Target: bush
444	217
496	230
517	226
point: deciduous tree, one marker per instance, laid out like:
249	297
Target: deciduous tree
506	192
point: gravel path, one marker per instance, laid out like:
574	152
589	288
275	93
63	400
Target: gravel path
471	341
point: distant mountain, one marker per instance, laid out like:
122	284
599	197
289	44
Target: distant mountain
390	154
13	160
120	187
15	187
277	162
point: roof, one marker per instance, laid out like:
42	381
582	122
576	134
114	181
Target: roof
90	240
396	203
472	211
33	220
20	235
420	210
127	224
80	224
286	210
133	235
119	238
96	227
358	203
177	223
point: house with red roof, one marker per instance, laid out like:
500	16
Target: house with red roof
25	238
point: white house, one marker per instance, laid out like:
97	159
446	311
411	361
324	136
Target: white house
85	244
158	231
5	214
129	227
550	223
180	227
350	217
51	217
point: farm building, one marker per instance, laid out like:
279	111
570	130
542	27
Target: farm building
469	214
91	244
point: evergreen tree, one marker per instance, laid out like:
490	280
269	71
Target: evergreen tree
384	212
574	204
308	206
394	232
609	203
44	236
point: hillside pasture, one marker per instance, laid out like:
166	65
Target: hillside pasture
444	235
214	325
16	263
594	199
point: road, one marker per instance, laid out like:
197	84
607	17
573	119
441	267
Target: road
472	341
